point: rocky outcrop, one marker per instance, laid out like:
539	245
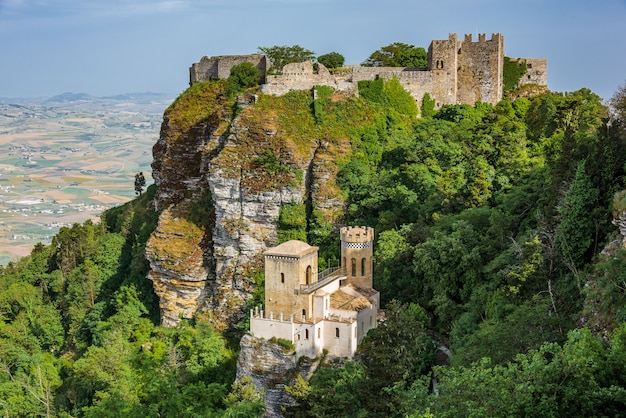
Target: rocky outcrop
236	174
272	366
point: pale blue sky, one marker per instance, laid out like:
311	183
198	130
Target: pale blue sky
110	47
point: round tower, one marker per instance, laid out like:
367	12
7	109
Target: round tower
357	245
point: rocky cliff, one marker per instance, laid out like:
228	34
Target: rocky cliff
222	179
271	366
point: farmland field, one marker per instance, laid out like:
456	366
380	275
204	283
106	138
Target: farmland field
63	162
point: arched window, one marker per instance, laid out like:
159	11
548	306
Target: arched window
306	334
282	277
319	333
337	332
363	266
308	275
304	313
344	265
354	267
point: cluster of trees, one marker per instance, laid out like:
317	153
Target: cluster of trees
78	334
492	220
397	54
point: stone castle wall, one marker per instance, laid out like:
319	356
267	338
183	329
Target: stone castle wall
536	71
459	72
218	67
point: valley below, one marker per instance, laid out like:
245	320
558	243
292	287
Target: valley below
66	159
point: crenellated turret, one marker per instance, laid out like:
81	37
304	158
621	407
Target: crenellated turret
357	245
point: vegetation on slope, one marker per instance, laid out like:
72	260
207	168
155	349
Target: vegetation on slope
490	221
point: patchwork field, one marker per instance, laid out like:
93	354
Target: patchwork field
63	162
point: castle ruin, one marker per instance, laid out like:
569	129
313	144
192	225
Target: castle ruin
459	72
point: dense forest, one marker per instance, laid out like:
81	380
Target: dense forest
498	258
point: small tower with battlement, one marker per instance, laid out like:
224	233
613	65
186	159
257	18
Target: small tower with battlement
357	244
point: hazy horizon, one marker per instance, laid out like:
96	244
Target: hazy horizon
114	47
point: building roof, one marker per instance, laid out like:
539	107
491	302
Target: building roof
368	292
342	300
292	248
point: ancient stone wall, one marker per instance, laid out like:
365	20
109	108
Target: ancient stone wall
458	72
536	71
218	67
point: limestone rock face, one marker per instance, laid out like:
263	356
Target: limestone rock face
271	366
221	184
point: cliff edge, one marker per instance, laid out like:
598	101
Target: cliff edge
224	169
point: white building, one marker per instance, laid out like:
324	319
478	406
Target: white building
331	310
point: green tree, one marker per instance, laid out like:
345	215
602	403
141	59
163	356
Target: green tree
245	400
280	56
398	54
140	183
576	232
428	106
395	353
331	60
390	94
242	76
334	391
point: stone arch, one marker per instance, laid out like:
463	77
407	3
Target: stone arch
308	275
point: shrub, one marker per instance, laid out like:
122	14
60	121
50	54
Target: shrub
243	76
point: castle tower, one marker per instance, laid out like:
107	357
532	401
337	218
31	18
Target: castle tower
357	245
288	267
443	63
479	69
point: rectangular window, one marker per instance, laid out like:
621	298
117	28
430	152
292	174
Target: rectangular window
336	332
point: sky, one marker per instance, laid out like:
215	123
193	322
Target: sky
108	47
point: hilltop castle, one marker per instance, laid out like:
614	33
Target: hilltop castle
331	310
459	72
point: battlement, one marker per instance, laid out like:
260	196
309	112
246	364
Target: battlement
482	37
357	234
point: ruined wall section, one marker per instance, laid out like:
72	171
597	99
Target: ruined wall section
218	67
536	71
300	76
479	70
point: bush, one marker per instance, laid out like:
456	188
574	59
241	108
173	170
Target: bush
286	344
243	76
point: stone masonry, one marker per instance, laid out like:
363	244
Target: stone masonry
459	72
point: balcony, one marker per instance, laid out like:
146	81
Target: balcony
323	278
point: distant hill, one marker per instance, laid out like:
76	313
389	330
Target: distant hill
72	98
69	97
